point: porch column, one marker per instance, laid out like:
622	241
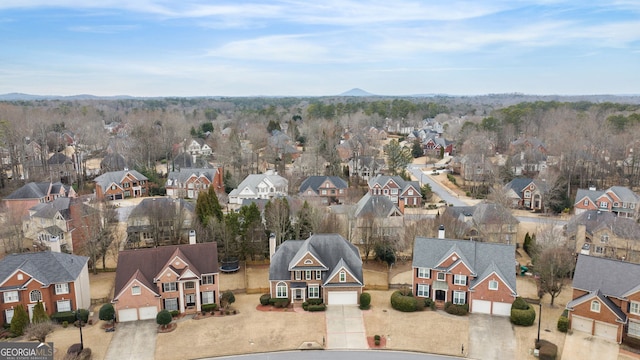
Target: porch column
181	297
197	296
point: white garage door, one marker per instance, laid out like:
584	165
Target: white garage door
580	323
148	312
127	315
500	308
343	298
481	307
607	331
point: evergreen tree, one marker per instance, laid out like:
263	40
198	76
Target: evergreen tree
39	315
304	226
19	321
416	149
208	206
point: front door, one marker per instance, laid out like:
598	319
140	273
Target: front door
441	295
190	299
299	294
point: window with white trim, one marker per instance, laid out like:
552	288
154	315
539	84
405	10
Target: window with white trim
208	280
307	275
441	276
8	315
136	290
595	306
62	289
634	328
394	191
459	297
10	296
190	285
459	280
298	275
410	193
281	290
63	305
599	250
585	202
423	290
604	204
634	308
170	286
171	304
424	273
35	296
343	276
493	285
207	297
318	274
314	291
604	238
308	262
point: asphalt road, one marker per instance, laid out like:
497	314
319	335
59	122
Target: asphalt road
338	355
442	192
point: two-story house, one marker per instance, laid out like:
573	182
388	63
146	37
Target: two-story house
20	201
482	275
397	190
366	167
604	234
486	222
59	281
259	186
118	185
179	277
160	221
619	200
189	182
606	299
325	266
329	189
199	147
526	193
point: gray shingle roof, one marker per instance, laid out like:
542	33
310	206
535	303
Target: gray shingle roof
482	258
382	180
376	205
624	193
600	296
182	175
36	190
330	249
314	183
612	277
46	267
253	180
50	209
518	184
153	205
106	179
595	220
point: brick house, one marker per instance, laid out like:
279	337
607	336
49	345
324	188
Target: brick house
483	222
397	190
329	189
619	200
60	281
118	185
178	277
606	299
325	266
260	186
20	201
526	193
482	275
189	182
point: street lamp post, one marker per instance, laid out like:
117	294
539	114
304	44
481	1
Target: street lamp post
80	326
539	320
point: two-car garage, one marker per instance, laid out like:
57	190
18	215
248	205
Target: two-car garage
594	327
142	313
342	298
485	307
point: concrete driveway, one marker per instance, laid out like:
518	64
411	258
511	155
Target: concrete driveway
345	327
133	340
583	346
491	338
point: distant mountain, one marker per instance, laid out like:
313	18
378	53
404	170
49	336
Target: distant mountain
356	92
29	97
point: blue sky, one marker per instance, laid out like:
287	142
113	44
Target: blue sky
326	47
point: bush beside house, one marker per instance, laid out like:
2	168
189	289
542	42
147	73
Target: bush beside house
454	309
522	313
365	301
264	299
403	301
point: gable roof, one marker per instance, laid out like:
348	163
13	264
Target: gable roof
58	159
108	178
37	190
612	277
314	182
145	264
595	220
330	249
150	206
483	213
382	180
597	294
50	209
623	193
376	205
47	267
518	185
183	174
253	180
482	258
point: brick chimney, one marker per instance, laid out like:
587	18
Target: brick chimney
401	205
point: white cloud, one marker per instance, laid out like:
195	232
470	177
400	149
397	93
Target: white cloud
285	48
102	29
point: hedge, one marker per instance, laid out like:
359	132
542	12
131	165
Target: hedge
563	324
209	307
454	309
548	350
365	301
264	299
522	313
279	303
61	316
174	313
428	302
314	301
404	303
320	307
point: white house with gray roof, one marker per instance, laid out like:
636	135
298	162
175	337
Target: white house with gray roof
259	186
324	266
479	275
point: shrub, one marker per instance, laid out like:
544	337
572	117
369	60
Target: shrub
279	302
39	315
376	337
520	316
314	301
376	341
305	306
107	312
563	324
548	351
404	303
455	309
61	316
65	324
227	298
365	300
174	313
20	320
83	315
209	307
163	318
428	302
264	299
320	307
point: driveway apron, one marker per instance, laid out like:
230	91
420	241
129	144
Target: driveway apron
345	327
133	340
491	338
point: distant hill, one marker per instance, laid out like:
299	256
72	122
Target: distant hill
356	92
29	97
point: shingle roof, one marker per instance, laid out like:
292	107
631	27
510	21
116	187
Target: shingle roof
482	258
36	190
483	213
47	267
625	194
147	263
376	205
50	209
108	178
382	180
314	182
182	175
152	205
58	159
595	220
331	249
253	180
518	184
612	277
600	296
114	162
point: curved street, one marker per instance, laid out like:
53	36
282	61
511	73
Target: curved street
338	355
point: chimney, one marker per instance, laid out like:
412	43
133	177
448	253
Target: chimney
401	205
192	237
441	232
592	188
54	244
272	245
